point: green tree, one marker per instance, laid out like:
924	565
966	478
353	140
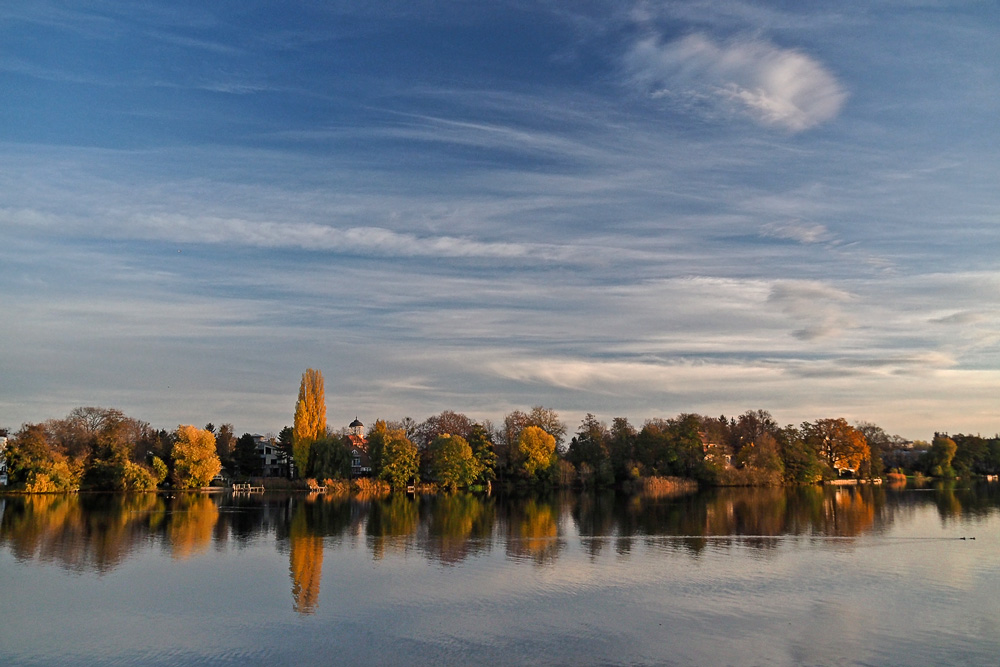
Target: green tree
654	448
482	449
225	442
673	447
621	446
245	456
762	460
453	464
329	458
800	461
880	444
195	459
310	417
286	439
942	453
590	454
109	466
394	457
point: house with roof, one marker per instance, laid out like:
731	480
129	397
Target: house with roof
273	459
357	445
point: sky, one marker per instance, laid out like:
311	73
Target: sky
633	209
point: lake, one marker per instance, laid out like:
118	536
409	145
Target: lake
815	576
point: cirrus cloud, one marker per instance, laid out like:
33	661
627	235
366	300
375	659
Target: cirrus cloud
777	87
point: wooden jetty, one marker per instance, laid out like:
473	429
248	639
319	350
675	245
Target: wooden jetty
247	488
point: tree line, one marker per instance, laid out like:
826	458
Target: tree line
103	449
530	448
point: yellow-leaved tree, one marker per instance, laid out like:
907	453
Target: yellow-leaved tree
195	459
535	451
310	417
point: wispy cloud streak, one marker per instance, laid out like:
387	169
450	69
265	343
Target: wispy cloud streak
777	87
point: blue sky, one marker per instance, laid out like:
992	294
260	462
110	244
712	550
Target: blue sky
631	209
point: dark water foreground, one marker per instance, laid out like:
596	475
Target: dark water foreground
730	576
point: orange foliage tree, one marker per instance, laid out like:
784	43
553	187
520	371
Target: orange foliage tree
195	459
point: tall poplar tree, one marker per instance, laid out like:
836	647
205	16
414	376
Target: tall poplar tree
310	417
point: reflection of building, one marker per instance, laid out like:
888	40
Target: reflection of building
273	459
361	464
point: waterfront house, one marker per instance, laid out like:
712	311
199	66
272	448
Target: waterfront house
273	459
357	444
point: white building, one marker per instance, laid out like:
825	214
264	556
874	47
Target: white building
273	461
3	460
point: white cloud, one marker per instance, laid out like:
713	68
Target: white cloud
635	377
777	87
315	236
800	232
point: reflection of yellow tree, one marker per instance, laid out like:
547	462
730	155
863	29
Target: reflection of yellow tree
306	562
78	532
848	513
192	520
535	532
115	526
42	524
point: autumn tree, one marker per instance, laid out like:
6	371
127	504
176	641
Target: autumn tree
310	417
508	433
750	427
450	422
195	459
453	464
35	465
536	452
838	444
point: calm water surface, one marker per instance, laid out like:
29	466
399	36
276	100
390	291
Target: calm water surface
738	576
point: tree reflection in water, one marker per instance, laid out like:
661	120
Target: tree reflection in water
392	524
190	524
458	526
305	554
533	529
100	532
